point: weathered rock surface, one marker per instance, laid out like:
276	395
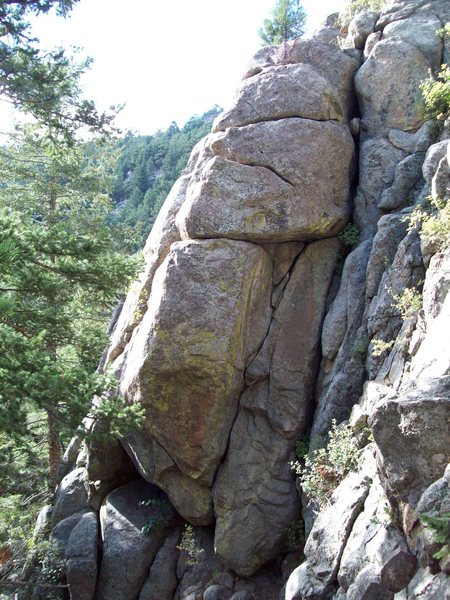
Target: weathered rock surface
132	533
72	495
288	189
361	27
255	490
344	344
420	31
243	334
161	581
282	92
180	360
412	434
81	555
387	102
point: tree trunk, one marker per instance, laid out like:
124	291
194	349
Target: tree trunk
54	449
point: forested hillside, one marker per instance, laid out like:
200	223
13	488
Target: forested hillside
146	170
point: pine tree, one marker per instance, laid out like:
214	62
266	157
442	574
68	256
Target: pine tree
59	279
287	23
41	83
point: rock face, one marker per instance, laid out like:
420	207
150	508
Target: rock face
254	327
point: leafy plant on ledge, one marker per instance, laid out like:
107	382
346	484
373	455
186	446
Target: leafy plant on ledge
325	468
189	544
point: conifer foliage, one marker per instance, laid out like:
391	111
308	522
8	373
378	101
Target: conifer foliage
287	23
59	278
60	269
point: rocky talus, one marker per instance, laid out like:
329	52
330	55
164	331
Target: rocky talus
254	326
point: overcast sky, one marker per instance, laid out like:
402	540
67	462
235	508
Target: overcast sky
166	61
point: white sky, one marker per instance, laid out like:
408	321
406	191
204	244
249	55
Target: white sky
165	60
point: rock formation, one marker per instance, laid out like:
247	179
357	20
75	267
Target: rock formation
252	326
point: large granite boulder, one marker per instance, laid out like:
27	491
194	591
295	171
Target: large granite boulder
272	181
208	311
392	102
282	92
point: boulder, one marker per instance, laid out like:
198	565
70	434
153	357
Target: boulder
328	60
255	489
344	346
419	141
286	365
392	102
412	437
421	31
433	157
81	556
398	10
368	587
390	232
288	190
186	365
334	523
377	164
197	573
384	318
376	547
254	496
426	586
408	173
282	92
71	495
162	235
134	519
304	585
431	355
161	581
191	499
371	42
360	27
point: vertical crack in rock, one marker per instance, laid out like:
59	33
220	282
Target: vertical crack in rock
254	489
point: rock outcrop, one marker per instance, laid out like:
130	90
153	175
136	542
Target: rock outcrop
253	326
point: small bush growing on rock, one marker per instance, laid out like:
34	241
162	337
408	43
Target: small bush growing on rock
409	302
380	346
350	235
433	219
190	546
151	524
440	527
353	7
436	94
325	468
360	348
295	535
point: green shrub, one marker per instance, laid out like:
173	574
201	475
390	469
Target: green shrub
433	219
409	302
151	524
190	546
350	235
436	94
295	535
325	468
360	348
440	527
353	7
380	346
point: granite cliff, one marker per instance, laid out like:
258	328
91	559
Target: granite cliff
253	326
